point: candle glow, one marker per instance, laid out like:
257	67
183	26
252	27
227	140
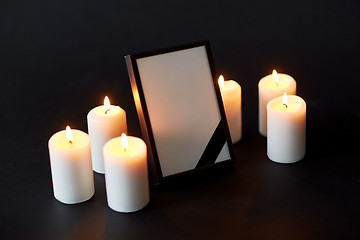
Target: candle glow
104	123
69	135
71	168
231	97
275	77
124	141
269	87
126	176
106	104
286	129
221	82
285	100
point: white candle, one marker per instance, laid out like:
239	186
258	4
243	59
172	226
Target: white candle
286	129
71	170
104	123
126	174
231	96
270	87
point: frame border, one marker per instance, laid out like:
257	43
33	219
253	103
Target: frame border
143	113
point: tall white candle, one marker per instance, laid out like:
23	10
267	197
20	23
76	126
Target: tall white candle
126	174
272	86
71	170
286	126
231	96
104	123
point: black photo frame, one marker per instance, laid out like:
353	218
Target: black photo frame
180	109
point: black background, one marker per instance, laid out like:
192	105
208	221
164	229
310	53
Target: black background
58	59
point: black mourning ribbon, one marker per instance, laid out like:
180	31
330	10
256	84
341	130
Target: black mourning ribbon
214	146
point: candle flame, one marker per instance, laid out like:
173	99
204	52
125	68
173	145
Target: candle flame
106	104
124	141
221	82
275	77
69	135
285	100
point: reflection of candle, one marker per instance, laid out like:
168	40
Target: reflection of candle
104	123
270	87
126	174
231	96
71	169
286	129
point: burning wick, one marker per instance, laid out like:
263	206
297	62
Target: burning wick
275	77
285	100
106	104
124	141
221	82
69	134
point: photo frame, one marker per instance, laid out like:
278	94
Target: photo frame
180	109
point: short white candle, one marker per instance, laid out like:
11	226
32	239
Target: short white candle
104	123
71	170
286	129
126	174
231	96
270	87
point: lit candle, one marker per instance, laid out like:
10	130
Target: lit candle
231	97
126	173
71	170
286	129
104	123
270	87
